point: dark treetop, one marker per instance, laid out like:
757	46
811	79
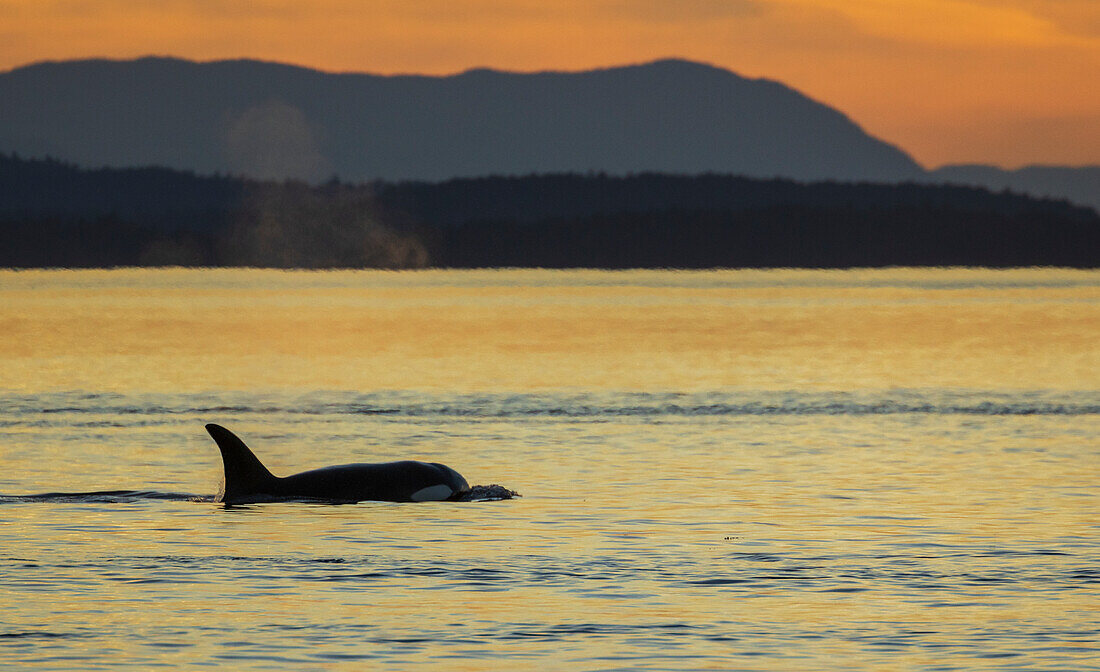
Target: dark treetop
53	214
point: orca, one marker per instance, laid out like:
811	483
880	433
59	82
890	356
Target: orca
247	480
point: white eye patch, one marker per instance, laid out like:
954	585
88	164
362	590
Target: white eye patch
432	493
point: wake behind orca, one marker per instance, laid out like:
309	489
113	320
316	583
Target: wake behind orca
105	497
248	481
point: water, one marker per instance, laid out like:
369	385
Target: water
725	470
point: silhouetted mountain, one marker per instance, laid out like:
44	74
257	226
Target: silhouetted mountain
1080	185
53	214
277	121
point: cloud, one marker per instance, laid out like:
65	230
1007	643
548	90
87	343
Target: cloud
1074	17
970	24
208	8
668	11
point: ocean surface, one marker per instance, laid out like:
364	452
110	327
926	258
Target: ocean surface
729	470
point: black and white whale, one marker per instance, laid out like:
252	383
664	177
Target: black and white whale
248	481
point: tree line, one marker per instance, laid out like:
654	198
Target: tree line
56	215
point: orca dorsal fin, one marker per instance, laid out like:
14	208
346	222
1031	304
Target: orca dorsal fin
244	474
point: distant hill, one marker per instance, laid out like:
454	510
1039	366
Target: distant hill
274	121
1080	185
55	214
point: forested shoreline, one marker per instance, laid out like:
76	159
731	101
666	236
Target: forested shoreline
57	215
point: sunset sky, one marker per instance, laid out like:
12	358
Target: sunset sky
1008	82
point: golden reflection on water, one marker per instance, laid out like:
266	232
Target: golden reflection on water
190	330
857	540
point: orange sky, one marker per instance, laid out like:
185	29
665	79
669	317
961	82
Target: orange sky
1009	82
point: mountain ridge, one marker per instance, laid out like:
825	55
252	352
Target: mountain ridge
273	120
1080	184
